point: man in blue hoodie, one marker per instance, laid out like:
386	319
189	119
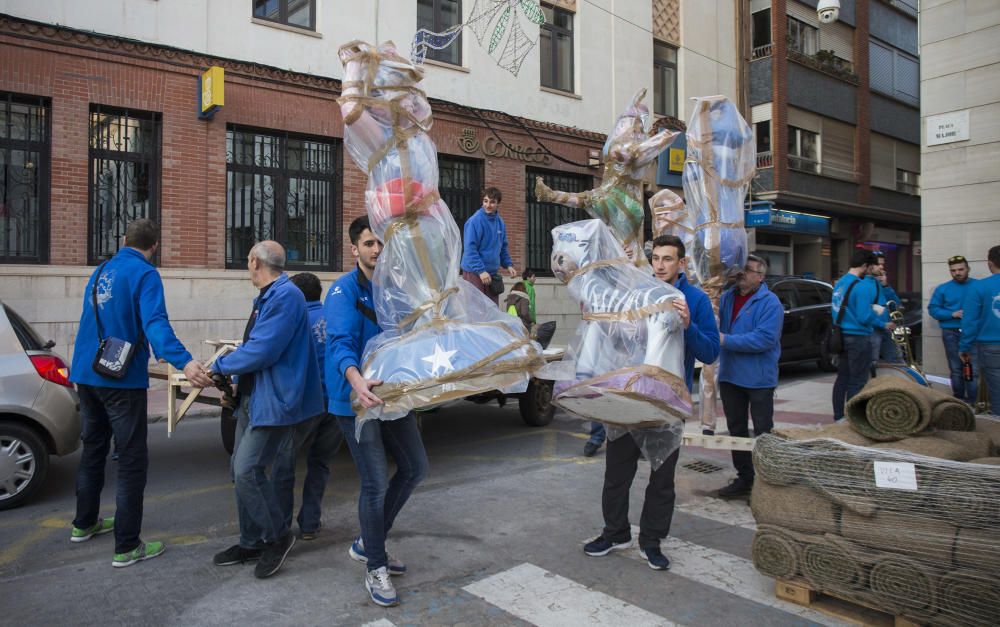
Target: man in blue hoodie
750	322
981	327
947	307
484	249
278	387
701	342
123	300
351	321
883	348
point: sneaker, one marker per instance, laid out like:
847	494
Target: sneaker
310	535
380	588
145	551
601	546
103	525
738	487
357	553
236	554
708	431
590	449
274	556
655	558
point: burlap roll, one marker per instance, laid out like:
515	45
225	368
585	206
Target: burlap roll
950	414
841	431
771	457
978	549
972	445
935	446
969	598
889	408
775	553
798	508
965	494
991	428
841	473
903	585
828	563
988	461
913	534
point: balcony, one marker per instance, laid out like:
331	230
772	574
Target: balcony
761	51
765	160
827	62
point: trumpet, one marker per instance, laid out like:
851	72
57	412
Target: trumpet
901	334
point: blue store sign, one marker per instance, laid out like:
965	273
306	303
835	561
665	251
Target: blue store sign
670	164
762	214
758	214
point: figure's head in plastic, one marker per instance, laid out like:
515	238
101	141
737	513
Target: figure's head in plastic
394	79
578	244
631	124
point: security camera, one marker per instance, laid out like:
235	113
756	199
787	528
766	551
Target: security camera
828	11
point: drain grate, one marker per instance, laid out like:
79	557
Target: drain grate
702	467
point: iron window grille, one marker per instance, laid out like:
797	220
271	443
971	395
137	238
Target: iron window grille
542	217
285	188
297	13
124	175
556	49
438	16
24	178
664	79
461	186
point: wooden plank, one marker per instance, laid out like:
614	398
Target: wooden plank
723	442
845	609
171	400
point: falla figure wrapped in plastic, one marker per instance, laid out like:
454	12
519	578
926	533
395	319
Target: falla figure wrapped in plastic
625	367
618	202
442	339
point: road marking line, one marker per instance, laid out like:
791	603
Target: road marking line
380	623
732	513
22	544
548	600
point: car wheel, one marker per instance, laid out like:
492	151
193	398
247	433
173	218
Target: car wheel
826	361
24	462
536	405
227	425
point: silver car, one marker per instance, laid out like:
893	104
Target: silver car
39	409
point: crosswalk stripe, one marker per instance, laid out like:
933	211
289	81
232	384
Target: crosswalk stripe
545	599
380	623
734	513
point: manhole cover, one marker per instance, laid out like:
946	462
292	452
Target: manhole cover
702	467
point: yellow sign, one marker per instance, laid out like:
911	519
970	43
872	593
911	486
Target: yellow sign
213	89
676	160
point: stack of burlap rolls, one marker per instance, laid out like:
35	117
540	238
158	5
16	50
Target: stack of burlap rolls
930	554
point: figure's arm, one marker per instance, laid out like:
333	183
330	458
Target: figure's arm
652	147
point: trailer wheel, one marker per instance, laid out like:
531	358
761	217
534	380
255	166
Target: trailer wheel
536	403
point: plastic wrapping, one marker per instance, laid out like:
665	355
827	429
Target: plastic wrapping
625	367
915	535
628	152
671	217
442	339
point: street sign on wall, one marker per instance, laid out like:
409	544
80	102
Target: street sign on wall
670	163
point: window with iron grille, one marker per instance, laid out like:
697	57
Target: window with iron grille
298	13
285	188
124	175
461	186
664	79
542	217
438	16
556	49
24	179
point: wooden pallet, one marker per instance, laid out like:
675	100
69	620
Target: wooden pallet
844	609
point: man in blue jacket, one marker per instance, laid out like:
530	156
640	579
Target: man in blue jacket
320	433
701	341
981	327
947	307
278	387
123	300
750	322
351	321
883	348
485	248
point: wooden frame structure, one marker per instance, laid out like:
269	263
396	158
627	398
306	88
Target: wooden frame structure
176	380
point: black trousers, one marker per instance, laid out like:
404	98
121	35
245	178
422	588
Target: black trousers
657	509
736	400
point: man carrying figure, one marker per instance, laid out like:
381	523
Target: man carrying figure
124	300
947	307
278	388
701	342
484	249
351	322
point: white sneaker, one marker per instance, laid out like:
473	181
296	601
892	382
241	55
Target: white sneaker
357	553
380	588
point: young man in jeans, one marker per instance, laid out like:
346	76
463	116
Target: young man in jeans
351	322
947	307
128	304
981	327
484	251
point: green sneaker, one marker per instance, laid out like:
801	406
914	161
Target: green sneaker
103	525
145	551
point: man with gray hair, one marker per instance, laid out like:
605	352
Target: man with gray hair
278	387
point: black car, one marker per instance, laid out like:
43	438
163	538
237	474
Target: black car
807	318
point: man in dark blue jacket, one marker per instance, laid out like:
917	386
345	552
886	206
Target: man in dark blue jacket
947	307
485	249
750	321
278	387
351	321
701	341
124	300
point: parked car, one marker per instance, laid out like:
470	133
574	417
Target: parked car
807	319
39	409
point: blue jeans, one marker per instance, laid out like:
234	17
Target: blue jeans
322	435
381	497
853	369
884	349
261	518
962	389
122	413
597	433
989	361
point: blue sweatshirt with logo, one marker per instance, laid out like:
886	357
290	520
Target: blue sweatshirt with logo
349	309
485	243
317	324
701	338
749	355
129	293
947	299
859	317
981	314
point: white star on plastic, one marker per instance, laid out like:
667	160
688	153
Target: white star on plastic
440	359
